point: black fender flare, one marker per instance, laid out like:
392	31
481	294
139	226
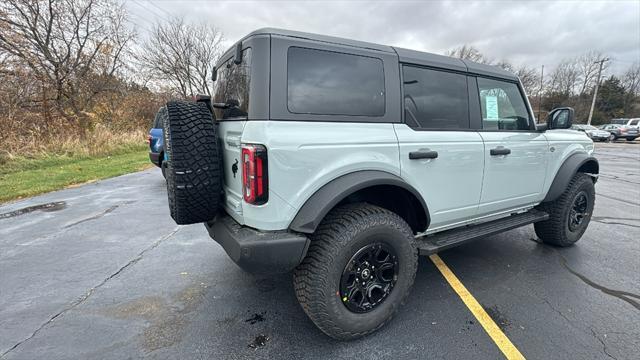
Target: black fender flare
322	201
567	171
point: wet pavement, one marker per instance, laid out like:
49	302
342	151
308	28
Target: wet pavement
101	271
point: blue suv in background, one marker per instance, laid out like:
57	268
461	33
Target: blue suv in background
156	140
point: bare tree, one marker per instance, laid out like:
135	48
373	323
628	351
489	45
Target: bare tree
565	77
71	47
588	64
631	79
530	79
182	55
468	52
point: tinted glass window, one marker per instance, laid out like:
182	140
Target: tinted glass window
503	107
435	99
232	87
331	83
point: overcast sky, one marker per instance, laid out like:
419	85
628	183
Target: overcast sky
531	32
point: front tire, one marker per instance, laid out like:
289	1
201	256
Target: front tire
569	215
612	138
338	284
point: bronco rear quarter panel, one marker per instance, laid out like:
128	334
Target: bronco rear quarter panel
306	155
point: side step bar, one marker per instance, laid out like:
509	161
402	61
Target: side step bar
432	244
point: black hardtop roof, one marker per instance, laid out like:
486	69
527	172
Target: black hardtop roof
404	55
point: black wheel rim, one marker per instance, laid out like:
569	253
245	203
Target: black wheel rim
578	211
369	277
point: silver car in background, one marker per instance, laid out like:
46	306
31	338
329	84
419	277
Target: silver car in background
621	131
634	122
593	132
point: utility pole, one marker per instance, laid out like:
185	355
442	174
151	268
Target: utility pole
595	90
540	93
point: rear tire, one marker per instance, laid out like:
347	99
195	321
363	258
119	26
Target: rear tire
192	169
329	268
612	138
630	139
569	215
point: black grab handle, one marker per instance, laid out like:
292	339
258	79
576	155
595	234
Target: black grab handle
500	151
430	154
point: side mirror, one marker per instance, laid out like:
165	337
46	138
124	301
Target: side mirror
560	118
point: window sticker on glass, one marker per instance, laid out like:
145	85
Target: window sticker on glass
492	107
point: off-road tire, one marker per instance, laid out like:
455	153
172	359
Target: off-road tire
556	231
193	170
341	234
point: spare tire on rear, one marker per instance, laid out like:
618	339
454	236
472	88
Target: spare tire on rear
194	174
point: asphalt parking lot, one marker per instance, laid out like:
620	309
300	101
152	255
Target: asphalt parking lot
102	272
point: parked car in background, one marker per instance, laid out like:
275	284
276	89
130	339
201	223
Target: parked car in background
156	140
593	132
621	131
634	122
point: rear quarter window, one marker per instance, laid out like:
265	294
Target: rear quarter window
232	86
332	83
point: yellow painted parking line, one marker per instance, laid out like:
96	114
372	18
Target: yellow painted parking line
498	337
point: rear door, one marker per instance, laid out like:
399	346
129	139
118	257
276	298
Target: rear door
439	154
515	154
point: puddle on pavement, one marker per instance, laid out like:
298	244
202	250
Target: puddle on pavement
167	318
259	341
48	207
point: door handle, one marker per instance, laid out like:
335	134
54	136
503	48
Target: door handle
500	151
423	154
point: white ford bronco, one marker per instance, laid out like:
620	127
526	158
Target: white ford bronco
343	161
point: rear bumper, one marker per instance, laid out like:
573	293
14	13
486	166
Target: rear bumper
256	251
155	158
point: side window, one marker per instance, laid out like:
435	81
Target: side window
232	87
503	107
634	122
435	99
331	83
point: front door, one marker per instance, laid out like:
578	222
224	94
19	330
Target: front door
439	155
515	154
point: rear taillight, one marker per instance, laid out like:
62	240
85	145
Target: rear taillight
255	180
149	140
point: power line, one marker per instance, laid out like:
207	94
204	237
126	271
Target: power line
148	9
159	8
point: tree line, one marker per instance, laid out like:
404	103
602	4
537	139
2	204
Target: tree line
69	66
571	83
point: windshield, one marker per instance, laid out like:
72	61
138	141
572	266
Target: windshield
232	87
